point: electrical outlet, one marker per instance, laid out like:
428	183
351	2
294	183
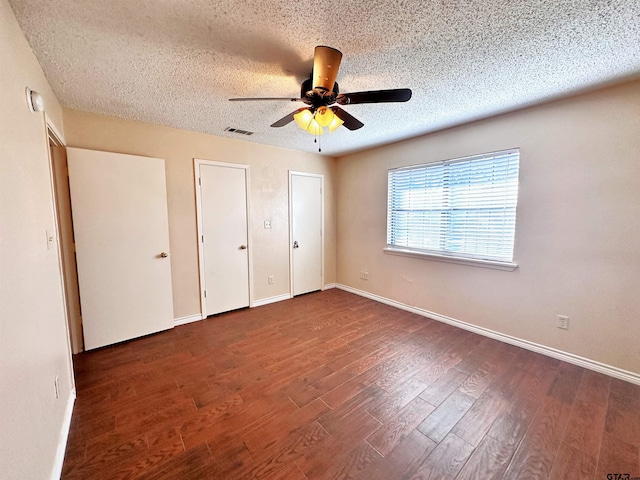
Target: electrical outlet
365	275
267	224
270	279
563	322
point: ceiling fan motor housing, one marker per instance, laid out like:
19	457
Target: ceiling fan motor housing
317	97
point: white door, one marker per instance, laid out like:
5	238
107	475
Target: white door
119	207
306	217
224	236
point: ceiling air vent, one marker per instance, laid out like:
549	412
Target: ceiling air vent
237	130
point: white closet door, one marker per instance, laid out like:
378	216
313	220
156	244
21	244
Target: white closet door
121	228
223	197
306	232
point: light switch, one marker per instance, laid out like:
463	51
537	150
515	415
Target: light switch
50	239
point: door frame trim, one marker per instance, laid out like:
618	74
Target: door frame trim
322	227
54	135
60	182
197	162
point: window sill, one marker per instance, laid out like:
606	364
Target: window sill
473	262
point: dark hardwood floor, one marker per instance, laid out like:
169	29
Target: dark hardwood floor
331	385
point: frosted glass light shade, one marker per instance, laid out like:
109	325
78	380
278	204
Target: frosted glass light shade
324	116
303	118
314	128
335	123
314	122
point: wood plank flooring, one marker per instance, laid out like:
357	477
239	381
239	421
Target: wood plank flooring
334	386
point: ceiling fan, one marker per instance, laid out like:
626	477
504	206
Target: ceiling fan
320	92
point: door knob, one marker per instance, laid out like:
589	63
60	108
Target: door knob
164	255
243	247
295	244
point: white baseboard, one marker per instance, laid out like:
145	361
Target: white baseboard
534	347
188	319
266	301
56	473
285	296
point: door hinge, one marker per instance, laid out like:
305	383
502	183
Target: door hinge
202	238
199	181
205	294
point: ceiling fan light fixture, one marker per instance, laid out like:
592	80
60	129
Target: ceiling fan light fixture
306	120
314	128
303	118
324	116
335	123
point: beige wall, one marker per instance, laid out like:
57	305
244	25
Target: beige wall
269	168
577	234
33	335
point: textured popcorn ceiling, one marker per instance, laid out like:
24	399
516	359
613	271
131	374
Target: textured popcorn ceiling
176	63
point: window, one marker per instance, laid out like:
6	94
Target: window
462	208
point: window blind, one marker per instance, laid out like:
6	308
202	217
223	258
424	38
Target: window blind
463	207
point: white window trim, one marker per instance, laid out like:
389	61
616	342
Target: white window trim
474	262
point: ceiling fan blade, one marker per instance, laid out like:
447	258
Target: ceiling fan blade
287	119
375	96
264	98
326	61
350	122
